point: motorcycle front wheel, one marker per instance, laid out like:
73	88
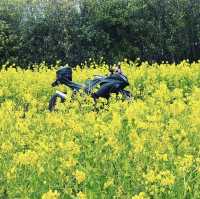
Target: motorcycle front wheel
53	100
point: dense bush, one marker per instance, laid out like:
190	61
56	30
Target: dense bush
73	31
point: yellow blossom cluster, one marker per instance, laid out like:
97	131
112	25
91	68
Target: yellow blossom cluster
147	147
51	195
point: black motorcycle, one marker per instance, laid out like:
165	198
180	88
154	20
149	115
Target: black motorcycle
113	83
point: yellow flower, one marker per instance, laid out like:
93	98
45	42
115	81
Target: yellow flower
51	195
27	158
70	163
71	147
80	176
163	157
151	176
116	122
81	195
11	174
1	92
141	195
137	142
184	163
108	183
166	178
6	147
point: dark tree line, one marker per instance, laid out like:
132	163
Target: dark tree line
33	31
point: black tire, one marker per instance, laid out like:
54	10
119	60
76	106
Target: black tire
52	102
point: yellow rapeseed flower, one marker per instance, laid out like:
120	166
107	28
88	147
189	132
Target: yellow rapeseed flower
51	195
81	195
108	183
80	176
141	195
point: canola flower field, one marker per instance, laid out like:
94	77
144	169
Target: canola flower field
145	148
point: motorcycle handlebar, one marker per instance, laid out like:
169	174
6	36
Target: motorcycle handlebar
55	83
